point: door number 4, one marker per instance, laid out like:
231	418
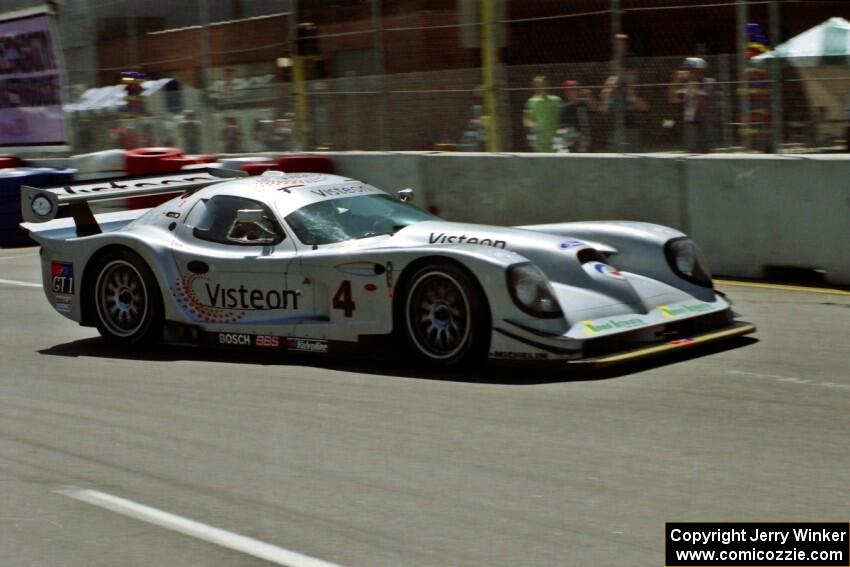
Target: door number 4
342	299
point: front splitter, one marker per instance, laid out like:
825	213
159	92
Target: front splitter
736	330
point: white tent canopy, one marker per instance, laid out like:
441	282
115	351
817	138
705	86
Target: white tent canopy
113	98
825	43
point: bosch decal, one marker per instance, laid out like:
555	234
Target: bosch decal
234	339
63	277
307	345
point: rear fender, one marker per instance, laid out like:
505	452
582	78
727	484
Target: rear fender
84	254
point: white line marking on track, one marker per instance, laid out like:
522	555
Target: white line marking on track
22	284
790	380
224	538
18	256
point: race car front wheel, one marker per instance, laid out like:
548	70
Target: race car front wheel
446	316
126	300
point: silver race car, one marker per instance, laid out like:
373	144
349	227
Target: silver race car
324	264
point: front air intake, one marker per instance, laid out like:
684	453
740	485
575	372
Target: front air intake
586	255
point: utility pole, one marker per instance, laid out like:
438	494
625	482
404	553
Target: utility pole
775	79
380	74
208	130
619	134
132	37
299	80
490	62
743	85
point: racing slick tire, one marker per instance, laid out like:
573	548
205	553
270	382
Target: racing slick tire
444	316
125	300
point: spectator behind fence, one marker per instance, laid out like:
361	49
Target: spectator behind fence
474	137
231	135
620	98
260	133
541	116
190	132
124	135
695	93
280	137
575	116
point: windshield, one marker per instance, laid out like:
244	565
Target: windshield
348	218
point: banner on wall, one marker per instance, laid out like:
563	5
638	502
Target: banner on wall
31	116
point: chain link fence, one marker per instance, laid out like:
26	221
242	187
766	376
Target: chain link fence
629	75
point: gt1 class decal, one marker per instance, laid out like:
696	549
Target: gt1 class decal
592	327
444	238
342	299
683	309
607	270
63	277
307	345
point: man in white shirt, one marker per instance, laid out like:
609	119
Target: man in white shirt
695	92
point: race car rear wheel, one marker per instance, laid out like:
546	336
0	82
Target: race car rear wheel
126	299
446	316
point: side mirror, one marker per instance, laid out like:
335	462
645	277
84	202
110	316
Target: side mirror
405	195
249	215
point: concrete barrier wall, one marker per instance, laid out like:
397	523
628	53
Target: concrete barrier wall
747	212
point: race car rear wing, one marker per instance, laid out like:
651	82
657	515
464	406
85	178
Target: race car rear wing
42	204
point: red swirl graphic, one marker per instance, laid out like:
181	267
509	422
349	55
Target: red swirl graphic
184	294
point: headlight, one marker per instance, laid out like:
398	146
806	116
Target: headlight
687	260
531	292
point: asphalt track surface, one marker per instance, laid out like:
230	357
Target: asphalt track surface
378	463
